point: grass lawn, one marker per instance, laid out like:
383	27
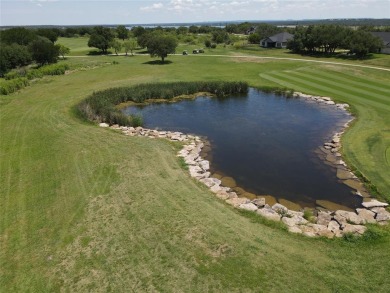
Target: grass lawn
86	209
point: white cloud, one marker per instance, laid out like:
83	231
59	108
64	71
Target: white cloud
153	7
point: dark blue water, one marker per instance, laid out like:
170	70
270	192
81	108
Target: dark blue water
265	142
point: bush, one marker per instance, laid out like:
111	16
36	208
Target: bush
53	69
11	86
100	106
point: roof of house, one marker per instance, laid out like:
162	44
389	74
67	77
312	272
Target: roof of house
384	36
280	38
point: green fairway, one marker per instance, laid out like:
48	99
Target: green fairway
87	209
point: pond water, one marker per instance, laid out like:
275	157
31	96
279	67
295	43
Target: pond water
267	143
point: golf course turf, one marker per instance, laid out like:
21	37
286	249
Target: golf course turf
87	209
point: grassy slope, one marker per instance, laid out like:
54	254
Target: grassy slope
88	209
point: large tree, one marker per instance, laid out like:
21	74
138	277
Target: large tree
12	56
43	51
122	32
101	38
362	43
161	45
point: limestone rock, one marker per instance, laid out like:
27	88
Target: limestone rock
232	194
236	202
294	221
325	233
355	229
209	182
294	229
222	195
316	228
381	214
367	215
350	217
260	202
353	184
343	174
374	203
324	218
205	165
248	207
215	188
269	213
279	208
334	227
103	125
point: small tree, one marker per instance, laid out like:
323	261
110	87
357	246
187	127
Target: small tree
122	32
207	43
63	50
117	46
130	46
254	38
161	45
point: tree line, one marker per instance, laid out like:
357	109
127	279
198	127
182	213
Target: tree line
21	47
327	39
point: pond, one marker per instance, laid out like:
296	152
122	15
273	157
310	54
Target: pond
269	144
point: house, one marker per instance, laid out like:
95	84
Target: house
276	41
385	37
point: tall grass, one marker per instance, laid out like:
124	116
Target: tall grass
19	78
100	106
10	86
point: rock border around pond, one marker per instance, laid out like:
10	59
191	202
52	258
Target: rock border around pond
327	223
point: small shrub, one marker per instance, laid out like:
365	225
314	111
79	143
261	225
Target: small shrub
10	86
308	215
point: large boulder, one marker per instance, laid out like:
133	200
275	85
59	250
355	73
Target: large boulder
294	221
269	213
355	229
373	203
324	218
367	215
381	214
248	207
350	217
236	202
260	202
334	227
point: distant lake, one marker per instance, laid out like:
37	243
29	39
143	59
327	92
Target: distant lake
267	143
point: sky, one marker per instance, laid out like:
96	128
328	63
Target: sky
90	12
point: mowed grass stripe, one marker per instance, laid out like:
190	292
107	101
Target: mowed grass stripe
332	90
352	79
278	81
335	83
